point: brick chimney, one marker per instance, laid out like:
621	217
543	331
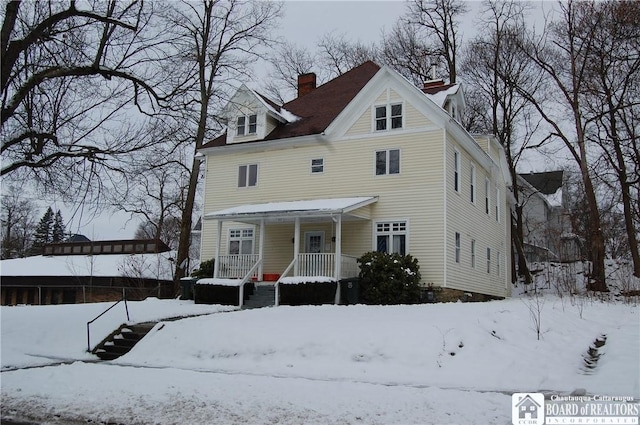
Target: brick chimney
433	83
306	83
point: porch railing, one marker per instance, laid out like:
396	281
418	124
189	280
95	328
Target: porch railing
324	265
349	267
237	266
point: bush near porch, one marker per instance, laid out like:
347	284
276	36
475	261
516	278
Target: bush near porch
389	279
308	293
221	294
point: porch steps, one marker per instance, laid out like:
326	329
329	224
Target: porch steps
122	341
263	296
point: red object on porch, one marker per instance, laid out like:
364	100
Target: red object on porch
270	277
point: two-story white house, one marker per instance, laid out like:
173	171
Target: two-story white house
365	162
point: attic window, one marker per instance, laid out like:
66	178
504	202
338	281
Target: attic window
250	121
388	116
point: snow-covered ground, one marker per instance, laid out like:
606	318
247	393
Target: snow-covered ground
454	363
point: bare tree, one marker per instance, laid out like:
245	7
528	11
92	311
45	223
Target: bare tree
408	52
17	216
613	99
338	55
494	66
214	43
438	21
287	62
563	56
72	77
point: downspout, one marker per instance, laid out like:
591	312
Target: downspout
338	263
444	191
216	262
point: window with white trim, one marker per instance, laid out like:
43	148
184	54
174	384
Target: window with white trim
473	253
457	239
248	175
391	237
472	184
486	196
388	116
498	205
499	262
317	166
240	241
388	162
247	124
488	260
456	171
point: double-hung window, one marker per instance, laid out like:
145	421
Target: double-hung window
388	116
388	162
472	184
473	253
240	241
247	125
457	247
486	195
456	171
248	175
391	237
488	260
497	205
317	166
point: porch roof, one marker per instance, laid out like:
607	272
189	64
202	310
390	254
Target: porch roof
288	210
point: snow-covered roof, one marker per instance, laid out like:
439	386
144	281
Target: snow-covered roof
147	266
313	207
440	97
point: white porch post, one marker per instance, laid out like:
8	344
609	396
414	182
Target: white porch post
296	245
261	250
338	256
216	263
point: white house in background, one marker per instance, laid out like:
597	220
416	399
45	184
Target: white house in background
365	162
548	233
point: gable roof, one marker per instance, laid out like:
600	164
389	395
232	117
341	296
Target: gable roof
318	108
547	182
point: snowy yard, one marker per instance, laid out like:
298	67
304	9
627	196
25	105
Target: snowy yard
452	363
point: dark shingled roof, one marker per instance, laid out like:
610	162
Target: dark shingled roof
319	108
547	182
436	89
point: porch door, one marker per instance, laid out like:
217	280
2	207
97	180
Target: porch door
313	244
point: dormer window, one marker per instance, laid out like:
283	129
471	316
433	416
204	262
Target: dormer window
247	125
388	116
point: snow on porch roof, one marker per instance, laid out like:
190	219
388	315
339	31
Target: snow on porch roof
313	207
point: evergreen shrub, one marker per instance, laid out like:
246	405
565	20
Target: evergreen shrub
389	279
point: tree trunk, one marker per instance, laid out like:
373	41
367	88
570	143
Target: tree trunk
184	243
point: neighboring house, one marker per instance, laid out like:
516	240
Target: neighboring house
547	229
89	271
364	162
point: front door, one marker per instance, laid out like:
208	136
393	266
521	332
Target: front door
313	242
313	265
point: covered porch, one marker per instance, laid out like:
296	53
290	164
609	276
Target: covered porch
312	229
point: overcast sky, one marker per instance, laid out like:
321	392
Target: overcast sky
304	23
